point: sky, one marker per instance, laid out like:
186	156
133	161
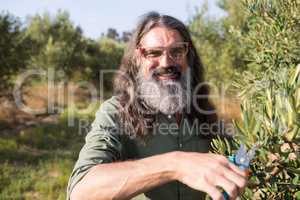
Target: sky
96	16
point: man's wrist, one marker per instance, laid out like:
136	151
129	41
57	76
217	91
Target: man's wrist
173	164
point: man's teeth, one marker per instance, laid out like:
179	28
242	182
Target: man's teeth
167	75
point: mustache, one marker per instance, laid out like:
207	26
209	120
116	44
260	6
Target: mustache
172	70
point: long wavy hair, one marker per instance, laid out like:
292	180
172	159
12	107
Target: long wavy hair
135	121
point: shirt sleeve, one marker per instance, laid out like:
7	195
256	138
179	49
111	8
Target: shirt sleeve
102	144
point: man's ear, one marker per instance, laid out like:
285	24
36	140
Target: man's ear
138	57
137	52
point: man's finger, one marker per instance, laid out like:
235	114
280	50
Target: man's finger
213	192
230	187
236	169
239	180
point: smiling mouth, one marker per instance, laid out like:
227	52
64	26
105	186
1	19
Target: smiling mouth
169	73
168	77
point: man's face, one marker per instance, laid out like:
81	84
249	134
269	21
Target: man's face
160	37
162	78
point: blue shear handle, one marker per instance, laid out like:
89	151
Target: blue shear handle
232	159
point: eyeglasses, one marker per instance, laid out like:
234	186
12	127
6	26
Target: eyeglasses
176	51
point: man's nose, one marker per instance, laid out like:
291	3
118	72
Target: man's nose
166	60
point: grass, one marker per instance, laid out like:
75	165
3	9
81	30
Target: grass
45	179
37	162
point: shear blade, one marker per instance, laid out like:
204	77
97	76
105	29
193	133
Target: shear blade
242	157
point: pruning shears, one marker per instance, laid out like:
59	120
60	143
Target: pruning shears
242	159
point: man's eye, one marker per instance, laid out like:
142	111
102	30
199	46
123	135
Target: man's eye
177	51
153	53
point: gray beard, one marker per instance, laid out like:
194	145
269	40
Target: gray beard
166	96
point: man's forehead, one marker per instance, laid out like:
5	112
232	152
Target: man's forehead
161	36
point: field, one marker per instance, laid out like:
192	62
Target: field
37	152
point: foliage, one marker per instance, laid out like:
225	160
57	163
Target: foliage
270	99
273	34
103	59
114	35
44	180
219	49
13	49
56	43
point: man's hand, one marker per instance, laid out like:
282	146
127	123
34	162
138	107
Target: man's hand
206	172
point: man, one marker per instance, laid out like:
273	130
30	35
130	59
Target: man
146	139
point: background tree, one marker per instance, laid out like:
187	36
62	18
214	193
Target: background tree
56	43
13	49
103	57
220	50
126	36
112	34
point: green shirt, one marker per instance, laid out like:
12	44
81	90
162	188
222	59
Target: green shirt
104	144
